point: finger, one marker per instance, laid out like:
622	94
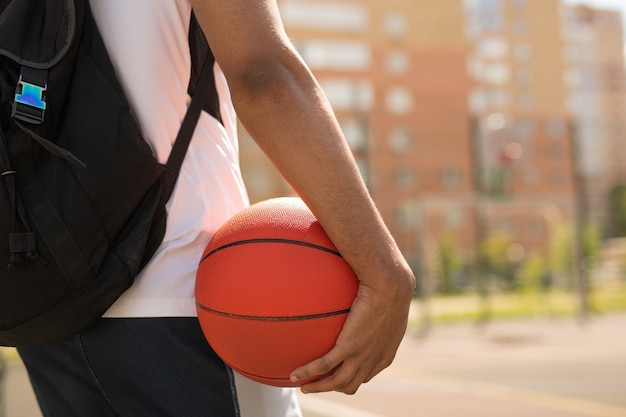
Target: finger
345	378
321	366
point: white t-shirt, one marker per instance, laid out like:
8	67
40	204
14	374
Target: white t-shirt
147	41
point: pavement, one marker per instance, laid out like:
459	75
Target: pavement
556	367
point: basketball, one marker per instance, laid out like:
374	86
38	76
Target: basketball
272	291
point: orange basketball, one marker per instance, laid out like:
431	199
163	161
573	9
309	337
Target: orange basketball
272	292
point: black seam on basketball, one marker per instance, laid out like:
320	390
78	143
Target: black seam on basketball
271	240
273	318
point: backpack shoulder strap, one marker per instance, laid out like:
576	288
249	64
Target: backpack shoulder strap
47	37
201	53
203	91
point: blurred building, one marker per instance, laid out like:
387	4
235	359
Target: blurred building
522	130
461	113
395	75
596	81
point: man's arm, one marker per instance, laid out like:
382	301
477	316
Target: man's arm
284	110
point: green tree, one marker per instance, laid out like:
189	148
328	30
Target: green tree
591	244
531	274
494	260
560	251
449	264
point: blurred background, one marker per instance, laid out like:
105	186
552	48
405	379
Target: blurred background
492	137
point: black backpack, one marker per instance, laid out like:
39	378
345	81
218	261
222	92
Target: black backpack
82	198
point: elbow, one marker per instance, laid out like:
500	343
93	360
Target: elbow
262	84
259	77
266	72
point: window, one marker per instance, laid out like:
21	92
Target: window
525	101
571	78
399	100
395	26
493	47
518	5
555	128
575	103
519	27
324	15
453	217
522	52
406	216
498	98
525	128
345	94
400	140
363	95
355	132
496	121
451	178
496	73
490	14
477	100
404	178
397	62
339	92
481	99
523	77
573	53
608	18
336	54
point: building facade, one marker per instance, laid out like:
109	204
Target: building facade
395	75
596	81
459	114
522	130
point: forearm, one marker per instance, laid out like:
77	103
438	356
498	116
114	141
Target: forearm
281	105
292	122
285	111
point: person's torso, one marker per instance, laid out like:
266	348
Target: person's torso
147	41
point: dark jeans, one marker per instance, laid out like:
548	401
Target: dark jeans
149	367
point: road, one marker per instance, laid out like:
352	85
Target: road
542	367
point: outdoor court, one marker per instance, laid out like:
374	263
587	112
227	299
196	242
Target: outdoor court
543	368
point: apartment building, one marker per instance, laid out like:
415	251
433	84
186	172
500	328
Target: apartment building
395	74
596	81
462	114
523	132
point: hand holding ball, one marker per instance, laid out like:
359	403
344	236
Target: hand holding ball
272	292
